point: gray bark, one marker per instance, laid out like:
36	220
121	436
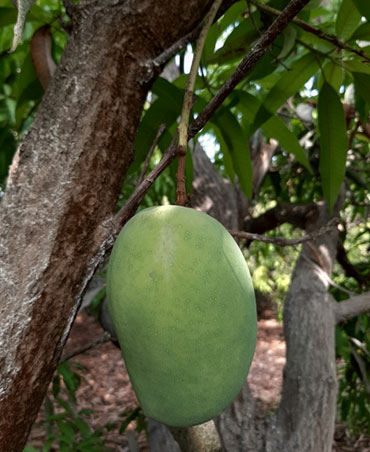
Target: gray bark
64	184
55	214
304	420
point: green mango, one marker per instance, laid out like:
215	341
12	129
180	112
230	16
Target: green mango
183	307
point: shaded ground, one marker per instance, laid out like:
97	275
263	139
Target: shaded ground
106	389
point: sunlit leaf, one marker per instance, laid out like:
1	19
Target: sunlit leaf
289	83
333	74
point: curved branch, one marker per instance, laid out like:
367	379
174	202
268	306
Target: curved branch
294	214
352	307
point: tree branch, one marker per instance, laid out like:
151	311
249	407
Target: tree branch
161	129
280	241
285	212
105	337
313	30
244	67
165	56
352	307
257	51
188	102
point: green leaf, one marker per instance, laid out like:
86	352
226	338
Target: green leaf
237	143
333	143
363	6
356	65
276	128
362	32
8	16
226	157
67	431
333	74
237	43
164	110
362	83
289	83
233	14
82	427
348	19
289	35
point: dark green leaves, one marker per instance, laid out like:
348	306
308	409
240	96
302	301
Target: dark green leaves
333	143
362	82
348	19
237	144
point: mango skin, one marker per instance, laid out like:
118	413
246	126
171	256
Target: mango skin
183	307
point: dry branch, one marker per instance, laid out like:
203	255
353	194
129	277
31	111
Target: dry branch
105	337
280	241
314	30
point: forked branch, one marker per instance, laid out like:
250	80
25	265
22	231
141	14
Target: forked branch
241	71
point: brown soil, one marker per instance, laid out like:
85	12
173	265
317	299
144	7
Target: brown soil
106	389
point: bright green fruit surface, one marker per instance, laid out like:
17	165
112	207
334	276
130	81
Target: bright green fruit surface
182	303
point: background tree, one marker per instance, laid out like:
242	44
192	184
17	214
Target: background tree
293	127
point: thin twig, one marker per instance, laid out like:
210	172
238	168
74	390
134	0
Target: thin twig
105	337
161	129
188	102
167	54
131	205
280	241
248	63
313	30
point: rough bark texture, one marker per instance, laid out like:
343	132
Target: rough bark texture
64	184
304	420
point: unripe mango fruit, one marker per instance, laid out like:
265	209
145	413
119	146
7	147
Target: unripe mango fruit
183	307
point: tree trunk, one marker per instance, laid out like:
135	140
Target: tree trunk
304	420
64	184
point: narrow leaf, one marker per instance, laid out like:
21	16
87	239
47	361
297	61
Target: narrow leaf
332	74
273	127
363	7
348	19
362	83
333	143
237	143
289	83
362	32
276	128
